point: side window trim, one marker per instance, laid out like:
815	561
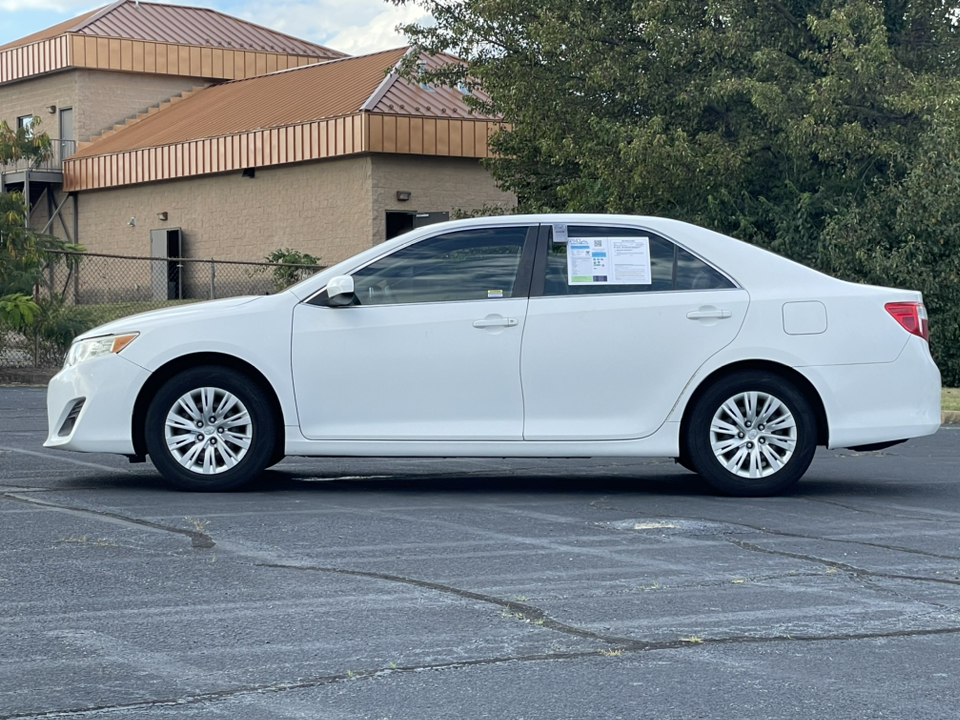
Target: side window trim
539	280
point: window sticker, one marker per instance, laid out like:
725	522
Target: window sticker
560	233
608	261
494	293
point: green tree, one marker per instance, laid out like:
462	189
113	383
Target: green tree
778	122
24	253
21	249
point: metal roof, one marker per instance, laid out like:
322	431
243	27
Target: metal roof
289	97
180	25
402	97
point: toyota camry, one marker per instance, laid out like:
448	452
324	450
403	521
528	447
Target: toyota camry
515	336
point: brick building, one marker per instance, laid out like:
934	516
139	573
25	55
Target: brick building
184	130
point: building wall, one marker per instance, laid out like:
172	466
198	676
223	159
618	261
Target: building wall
107	98
100	99
322	208
435	184
331	209
31	97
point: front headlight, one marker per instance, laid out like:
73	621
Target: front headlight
95	347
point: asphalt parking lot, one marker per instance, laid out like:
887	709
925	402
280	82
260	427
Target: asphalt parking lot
411	589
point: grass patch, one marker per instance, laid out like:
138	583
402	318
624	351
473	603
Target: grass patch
951	399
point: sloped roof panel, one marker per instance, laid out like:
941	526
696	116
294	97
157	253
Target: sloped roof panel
290	97
196	26
402	97
181	25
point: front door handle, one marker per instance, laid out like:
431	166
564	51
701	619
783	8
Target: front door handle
709	313
495	321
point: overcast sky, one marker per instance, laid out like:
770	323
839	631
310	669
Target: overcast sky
351	26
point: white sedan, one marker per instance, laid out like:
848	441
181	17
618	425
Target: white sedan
517	336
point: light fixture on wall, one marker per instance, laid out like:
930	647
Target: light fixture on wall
51	109
132	222
403	195
162	216
249	173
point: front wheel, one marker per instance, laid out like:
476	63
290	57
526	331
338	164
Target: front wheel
752	434
210	429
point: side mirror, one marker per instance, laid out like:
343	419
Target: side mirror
340	291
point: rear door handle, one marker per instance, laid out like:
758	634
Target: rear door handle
709	313
495	321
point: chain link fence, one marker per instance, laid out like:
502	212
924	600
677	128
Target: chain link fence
79	291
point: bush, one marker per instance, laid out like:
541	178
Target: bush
906	234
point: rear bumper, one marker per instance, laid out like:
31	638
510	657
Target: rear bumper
880	402
108	387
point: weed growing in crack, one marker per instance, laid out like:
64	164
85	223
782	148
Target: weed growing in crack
609	652
199	525
693	640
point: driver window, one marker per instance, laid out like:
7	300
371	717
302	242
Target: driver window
467	265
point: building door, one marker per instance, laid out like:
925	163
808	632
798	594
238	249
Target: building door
166	276
399	222
68	140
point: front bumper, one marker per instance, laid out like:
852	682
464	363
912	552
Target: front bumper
108	387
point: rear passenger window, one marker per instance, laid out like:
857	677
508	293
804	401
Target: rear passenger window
671	267
694	274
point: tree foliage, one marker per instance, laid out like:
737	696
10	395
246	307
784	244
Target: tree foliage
805	126
24	252
24	143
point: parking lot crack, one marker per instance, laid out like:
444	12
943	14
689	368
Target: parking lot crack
913	515
519	610
836	565
198	540
632	646
787	534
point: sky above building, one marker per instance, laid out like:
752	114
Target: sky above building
355	27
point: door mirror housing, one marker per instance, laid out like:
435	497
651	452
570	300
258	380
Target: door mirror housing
340	291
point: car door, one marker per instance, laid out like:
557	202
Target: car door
605	360
429	351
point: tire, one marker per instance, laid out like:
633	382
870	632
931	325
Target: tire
751	434
277	456
194	453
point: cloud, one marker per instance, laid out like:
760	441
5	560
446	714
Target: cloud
379	33
351	26
356	27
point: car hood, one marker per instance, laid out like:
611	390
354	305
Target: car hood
191	311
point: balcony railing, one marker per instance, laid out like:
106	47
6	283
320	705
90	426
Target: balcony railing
60	150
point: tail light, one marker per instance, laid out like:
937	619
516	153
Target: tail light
912	316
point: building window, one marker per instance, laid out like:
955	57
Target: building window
26	122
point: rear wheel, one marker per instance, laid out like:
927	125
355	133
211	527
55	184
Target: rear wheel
752	433
210	429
